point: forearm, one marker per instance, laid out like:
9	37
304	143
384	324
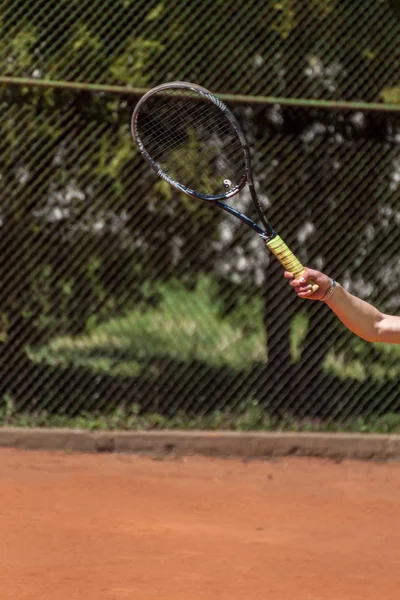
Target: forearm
358	316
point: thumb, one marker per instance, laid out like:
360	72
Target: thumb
319	278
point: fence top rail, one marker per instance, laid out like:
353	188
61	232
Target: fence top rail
229	98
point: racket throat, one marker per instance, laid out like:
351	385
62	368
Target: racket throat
269	232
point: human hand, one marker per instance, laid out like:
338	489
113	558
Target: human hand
304	290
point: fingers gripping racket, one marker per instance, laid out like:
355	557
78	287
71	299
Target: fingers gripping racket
194	142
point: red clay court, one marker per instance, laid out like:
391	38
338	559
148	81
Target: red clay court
110	527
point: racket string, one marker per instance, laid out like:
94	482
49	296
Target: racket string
172	136
173	120
183	136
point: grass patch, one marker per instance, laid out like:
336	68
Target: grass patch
186	325
250	418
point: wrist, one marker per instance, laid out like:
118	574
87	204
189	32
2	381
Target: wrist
330	291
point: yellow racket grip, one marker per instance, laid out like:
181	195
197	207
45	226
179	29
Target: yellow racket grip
288	259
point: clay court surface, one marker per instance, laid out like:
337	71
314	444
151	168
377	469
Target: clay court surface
105	527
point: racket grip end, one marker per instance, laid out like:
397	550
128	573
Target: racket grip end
288	260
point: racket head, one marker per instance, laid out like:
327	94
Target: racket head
192	140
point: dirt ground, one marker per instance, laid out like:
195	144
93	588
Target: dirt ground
110	527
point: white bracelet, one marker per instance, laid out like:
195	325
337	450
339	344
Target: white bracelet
330	291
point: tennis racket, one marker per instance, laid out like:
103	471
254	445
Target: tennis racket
195	143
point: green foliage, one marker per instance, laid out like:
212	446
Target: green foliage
64	181
248	417
20	51
285	22
184	326
132	66
265	48
391	95
298	333
194	326
156	12
84	39
360	361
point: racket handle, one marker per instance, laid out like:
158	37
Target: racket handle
288	259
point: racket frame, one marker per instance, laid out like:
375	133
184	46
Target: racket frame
266	234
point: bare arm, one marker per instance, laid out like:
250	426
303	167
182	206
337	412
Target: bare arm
358	316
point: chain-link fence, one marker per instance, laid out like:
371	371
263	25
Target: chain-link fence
119	295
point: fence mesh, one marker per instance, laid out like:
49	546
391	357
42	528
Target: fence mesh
117	294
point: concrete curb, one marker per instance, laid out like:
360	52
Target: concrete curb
219	444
